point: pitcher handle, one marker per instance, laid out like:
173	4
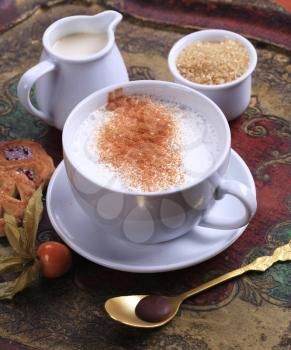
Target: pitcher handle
27	81
244	194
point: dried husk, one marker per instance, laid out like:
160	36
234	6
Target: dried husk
22	240
31	220
29	275
12	263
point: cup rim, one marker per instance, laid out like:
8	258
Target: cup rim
66	138
89	58
180	44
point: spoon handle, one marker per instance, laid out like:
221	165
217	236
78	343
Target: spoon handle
262	263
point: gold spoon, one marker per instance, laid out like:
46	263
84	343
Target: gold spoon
122	309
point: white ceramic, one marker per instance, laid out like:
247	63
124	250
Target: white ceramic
151	217
233	97
62	82
198	245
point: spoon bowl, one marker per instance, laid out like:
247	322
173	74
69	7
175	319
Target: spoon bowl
122	309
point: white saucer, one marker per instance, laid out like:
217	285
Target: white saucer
75	228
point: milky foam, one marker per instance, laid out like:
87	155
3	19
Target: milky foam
197	137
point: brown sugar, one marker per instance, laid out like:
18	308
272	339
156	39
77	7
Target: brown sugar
139	142
213	63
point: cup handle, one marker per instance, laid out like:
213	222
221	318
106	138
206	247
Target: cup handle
26	82
240	191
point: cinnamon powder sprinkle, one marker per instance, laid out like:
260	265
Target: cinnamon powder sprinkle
139	142
213	63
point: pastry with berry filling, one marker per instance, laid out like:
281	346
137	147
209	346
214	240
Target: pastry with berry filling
15	191
24	166
28	158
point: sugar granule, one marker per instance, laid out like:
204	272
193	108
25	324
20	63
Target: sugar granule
213	63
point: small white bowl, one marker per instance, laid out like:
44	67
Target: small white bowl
232	97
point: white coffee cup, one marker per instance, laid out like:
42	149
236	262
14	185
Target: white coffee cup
61	81
151	217
232	97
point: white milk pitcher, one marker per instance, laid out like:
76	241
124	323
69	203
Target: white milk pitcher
63	80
